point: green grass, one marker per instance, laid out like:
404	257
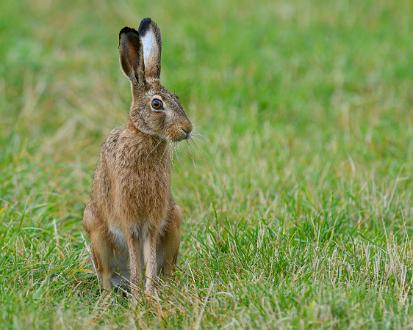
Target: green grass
297	194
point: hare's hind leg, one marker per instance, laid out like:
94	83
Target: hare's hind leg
101	247
168	245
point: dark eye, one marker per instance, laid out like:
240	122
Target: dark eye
157	104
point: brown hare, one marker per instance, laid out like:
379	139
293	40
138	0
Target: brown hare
131	218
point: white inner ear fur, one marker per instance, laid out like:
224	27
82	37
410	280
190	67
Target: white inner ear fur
149	46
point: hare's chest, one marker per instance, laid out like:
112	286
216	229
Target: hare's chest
145	194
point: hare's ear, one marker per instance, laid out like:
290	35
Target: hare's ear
152	47
131	55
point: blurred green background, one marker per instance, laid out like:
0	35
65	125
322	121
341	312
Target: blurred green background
296	189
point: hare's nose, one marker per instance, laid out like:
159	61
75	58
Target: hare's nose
187	131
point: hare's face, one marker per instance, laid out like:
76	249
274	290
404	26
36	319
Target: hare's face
158	112
155	110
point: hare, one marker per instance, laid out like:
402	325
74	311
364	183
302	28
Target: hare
131	218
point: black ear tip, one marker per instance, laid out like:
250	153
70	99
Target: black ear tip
127	29
144	25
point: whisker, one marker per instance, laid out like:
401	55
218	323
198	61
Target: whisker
176	150
195	143
173	152
198	135
163	154
157	145
190	146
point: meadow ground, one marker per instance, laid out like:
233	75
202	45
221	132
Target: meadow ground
297	193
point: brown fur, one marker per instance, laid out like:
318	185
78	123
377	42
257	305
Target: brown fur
131	218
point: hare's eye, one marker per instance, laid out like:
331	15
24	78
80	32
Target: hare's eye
157	104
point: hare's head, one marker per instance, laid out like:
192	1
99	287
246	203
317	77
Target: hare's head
155	110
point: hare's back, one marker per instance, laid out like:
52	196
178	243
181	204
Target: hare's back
111	144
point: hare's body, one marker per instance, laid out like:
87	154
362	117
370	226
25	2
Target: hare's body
132	180
132	219
131	193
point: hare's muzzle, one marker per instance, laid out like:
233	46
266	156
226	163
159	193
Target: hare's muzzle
183	132
187	132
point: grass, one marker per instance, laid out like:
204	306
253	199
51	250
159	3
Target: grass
297	195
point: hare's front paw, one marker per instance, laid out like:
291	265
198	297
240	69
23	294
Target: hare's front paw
106	282
151	292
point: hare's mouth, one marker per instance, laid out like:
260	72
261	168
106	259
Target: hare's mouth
180	135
